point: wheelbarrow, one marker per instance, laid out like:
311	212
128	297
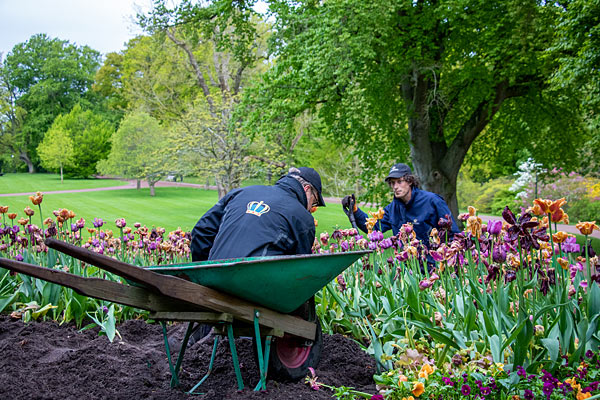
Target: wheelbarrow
267	298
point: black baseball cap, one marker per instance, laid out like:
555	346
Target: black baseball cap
311	176
398	171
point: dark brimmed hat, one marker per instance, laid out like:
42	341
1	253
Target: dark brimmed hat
398	171
311	176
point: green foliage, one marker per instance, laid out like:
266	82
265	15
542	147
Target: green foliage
89	134
56	150
139	150
488	198
45	78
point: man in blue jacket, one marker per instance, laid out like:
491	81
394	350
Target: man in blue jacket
411	204
261	220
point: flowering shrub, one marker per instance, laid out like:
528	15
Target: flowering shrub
583	201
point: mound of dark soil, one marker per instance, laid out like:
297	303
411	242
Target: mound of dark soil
42	360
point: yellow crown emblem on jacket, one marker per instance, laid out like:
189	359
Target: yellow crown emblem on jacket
257	208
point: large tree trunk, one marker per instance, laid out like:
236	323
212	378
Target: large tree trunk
25	158
435	162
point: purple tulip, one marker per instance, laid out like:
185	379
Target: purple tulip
344	245
385	243
494	226
499	254
98	222
425	284
570	245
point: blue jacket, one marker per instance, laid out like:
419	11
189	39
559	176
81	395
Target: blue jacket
424	210
256	221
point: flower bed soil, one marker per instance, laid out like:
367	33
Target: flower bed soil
42	360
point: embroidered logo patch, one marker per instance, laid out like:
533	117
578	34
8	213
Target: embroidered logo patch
257	208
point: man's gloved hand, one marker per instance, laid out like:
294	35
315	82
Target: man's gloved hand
349	203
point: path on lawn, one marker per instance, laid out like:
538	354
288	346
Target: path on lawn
334	200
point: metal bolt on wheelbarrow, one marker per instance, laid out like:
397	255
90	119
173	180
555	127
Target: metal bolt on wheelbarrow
267	298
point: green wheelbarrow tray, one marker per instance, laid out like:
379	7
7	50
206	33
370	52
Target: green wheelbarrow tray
281	283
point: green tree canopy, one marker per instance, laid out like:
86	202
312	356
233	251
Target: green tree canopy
90	135
417	80
45	77
56	149
139	150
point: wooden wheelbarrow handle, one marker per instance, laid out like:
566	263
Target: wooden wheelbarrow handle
194	294
99	288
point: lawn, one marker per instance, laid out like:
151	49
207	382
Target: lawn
27	183
172	207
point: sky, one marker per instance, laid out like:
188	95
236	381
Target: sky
104	25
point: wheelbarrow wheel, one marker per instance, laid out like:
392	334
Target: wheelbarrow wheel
290	356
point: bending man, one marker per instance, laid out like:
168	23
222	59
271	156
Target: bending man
261	220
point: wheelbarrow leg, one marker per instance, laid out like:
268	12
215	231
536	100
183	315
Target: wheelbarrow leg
263	359
210	365
175	369
236	363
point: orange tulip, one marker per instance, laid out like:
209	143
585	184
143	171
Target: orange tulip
563	263
3	209
11	215
586	228
557	204
28	211
544	206
560	236
418	388
474	225
536	209
23	221
37	198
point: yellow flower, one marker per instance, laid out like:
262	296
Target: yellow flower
402	378
408	398
586	228
582	396
418	388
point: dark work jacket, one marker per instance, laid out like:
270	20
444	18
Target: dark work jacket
424	210
256	221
